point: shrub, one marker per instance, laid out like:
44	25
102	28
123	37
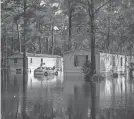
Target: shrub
98	77
86	69
87	73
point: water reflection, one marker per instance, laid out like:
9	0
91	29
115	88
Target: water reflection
66	97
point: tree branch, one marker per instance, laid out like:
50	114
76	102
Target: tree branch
89	8
101	6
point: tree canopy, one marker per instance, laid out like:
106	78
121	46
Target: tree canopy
70	22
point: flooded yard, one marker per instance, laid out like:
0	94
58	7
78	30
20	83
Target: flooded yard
77	37
66	97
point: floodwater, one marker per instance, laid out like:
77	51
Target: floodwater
65	97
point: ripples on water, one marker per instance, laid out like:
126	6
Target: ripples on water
66	96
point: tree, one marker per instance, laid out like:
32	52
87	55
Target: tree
13	13
117	23
68	9
24	62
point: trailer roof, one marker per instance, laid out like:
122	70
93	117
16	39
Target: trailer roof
20	55
97	51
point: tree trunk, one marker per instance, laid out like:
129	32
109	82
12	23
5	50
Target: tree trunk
125	66
24	63
92	25
93	100
18	34
113	99
52	38
108	35
130	51
12	45
5	60
70	28
40	50
47	50
93	59
109	26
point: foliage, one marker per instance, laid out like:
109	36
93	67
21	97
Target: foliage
114	34
113	26
98	77
87	73
39	22
87	69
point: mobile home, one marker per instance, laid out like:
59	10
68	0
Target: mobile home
33	61
105	62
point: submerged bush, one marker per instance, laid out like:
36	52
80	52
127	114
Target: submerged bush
86	69
98	77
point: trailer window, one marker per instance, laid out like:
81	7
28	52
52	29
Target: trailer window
41	60
15	60
113	60
121	61
79	60
31	60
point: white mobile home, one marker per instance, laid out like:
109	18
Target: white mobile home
105	62
33	61
75	59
